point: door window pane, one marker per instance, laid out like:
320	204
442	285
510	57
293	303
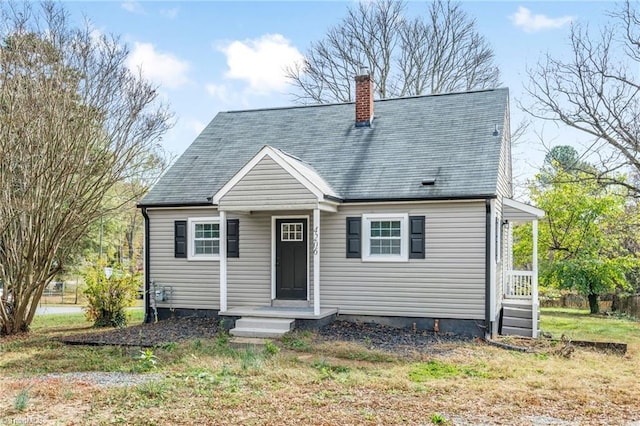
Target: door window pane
291	232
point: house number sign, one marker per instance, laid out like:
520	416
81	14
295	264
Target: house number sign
316	239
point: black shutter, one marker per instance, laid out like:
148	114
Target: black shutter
354	242
233	237
416	237
180	238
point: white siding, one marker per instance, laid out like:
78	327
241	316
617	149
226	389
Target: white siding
505	184
268	187
249	276
505	190
194	284
449	283
499	261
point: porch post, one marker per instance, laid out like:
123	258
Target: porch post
534	280
223	261
316	261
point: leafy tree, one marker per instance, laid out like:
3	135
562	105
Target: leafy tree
563	158
443	52
595	90
74	123
581	236
117	235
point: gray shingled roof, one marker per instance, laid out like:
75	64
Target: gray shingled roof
447	137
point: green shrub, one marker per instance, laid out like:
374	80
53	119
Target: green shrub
146	360
20	404
438	419
270	348
108	298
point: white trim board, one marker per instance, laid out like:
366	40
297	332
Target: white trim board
515	210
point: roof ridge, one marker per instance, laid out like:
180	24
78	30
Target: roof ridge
429	95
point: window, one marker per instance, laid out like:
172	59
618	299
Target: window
291	232
205	238
385	237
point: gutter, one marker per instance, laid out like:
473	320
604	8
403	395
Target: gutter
144	206
487	271
147	279
338	200
381	200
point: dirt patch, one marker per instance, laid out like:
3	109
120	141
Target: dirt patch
374	336
149	335
385	338
564	347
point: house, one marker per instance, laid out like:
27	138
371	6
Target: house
279	217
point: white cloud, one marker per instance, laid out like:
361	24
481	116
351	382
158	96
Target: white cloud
170	13
196	126
164	69
261	62
132	7
96	35
531	23
219	91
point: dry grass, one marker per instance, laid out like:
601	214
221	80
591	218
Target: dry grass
207	382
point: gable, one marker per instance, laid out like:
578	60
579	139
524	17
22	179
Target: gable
274	180
267	186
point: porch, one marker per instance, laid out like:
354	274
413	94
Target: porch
520	309
291	196
520	306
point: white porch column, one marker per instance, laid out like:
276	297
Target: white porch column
316	261
223	261
534	279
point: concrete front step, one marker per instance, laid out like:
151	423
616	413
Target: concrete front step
262	327
248	341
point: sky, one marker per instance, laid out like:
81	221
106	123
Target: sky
211	56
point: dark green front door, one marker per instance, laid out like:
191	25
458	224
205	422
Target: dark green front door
291	259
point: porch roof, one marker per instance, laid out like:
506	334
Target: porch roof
275	180
516	211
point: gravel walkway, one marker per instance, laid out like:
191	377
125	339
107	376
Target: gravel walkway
105	379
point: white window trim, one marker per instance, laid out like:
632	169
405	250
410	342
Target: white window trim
191	233
404	237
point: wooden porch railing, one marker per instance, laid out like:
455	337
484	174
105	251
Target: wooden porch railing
519	285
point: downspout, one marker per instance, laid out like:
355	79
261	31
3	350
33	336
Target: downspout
487	272
147	280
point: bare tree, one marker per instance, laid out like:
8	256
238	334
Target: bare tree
596	90
74	122
408	56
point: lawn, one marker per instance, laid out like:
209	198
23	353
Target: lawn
580	325
302	380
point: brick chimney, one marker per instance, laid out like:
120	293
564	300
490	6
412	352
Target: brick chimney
364	98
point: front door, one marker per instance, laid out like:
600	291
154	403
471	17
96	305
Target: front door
291	259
